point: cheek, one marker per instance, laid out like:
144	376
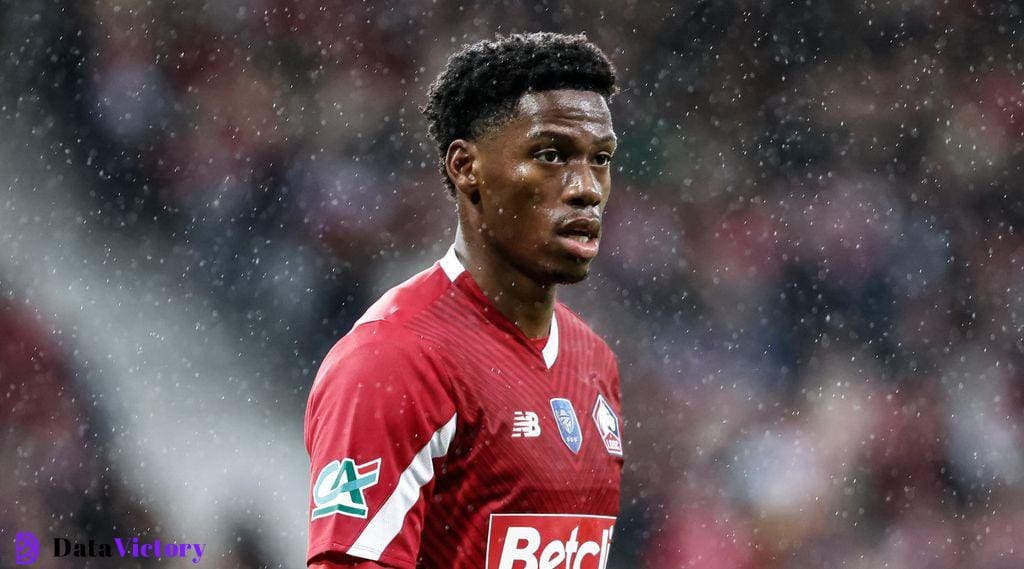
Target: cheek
524	187
521	171
529	184
520	213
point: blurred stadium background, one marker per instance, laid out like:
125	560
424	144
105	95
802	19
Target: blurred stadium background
813	273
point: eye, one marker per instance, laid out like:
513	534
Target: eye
549	155
603	159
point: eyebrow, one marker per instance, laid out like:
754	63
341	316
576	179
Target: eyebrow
559	135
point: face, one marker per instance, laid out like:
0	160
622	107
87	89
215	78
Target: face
543	180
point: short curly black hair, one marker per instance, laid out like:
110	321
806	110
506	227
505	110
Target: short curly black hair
482	83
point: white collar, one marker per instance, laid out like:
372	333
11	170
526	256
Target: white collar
452	267
550	350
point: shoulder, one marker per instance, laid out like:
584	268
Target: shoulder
409	299
382	332
375	335
379	371
383	349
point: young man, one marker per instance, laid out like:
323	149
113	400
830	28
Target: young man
468	419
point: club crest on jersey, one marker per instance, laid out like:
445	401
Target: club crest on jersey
568	425
340	485
607	425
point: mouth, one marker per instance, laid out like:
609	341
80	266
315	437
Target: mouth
581	236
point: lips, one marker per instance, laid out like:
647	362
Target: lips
581	227
580	236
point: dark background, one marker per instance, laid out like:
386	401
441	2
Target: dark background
813	270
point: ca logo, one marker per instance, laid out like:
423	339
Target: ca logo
339	488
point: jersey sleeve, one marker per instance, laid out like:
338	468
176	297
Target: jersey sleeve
379	421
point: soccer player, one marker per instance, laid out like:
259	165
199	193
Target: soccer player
468	419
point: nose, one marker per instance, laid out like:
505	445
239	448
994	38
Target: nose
583	189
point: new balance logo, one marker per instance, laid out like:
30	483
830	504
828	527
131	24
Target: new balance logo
525	424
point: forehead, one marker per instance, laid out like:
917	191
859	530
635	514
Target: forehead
575	112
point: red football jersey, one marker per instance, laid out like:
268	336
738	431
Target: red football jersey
440	436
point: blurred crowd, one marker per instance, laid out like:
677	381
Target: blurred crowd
813	269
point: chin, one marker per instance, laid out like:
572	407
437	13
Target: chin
572	275
574	278
557	270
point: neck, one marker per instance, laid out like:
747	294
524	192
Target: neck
522	300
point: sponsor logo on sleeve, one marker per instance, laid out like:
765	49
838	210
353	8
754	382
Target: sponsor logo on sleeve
339	488
548	541
525	424
568	425
607	425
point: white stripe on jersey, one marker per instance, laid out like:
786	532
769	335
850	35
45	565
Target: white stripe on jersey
387	522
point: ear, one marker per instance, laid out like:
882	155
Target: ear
462	166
